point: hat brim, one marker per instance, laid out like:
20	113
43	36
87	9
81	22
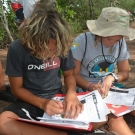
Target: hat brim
97	29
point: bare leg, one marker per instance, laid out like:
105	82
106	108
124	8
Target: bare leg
99	124
132	113
119	125
2	82
13	127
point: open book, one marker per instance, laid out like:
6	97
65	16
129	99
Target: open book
95	110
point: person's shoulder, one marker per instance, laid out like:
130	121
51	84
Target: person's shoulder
82	35
89	34
16	45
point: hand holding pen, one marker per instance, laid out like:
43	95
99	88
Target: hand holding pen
103	94
52	107
98	86
101	87
106	83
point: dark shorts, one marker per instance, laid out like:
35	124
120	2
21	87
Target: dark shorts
34	111
17	106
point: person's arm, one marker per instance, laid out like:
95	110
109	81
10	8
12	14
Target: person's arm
71	101
2	82
123	74
123	70
51	107
81	82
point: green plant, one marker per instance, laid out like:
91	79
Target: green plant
76	26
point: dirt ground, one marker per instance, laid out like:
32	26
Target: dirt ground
129	83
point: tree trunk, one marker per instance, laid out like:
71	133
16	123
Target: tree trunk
91	8
4	21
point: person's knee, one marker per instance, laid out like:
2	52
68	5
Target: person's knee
97	125
132	113
5	121
112	119
2	122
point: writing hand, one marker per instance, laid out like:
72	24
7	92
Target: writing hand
108	81
52	107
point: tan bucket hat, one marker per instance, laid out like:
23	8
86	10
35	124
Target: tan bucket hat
112	21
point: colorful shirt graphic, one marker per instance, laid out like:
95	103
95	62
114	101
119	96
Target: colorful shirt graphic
99	67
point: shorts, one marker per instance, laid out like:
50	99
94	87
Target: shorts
34	111
17	107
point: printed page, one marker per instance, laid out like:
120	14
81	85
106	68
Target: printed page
131	91
120	97
95	109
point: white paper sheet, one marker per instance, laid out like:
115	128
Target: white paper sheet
118	96
95	109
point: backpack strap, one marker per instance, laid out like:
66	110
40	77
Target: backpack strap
85	46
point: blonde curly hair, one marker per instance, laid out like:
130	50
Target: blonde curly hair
45	24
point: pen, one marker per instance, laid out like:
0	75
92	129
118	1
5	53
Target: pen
102	80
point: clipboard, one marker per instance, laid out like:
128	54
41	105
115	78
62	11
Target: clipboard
66	127
56	125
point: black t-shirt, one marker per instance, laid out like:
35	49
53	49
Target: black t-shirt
42	78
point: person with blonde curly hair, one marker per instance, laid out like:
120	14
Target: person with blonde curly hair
23	10
33	67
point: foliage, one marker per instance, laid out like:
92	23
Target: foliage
4	37
76	12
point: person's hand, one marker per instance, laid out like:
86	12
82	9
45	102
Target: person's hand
72	106
52	107
108	81
98	87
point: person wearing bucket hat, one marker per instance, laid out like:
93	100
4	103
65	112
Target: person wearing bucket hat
99	51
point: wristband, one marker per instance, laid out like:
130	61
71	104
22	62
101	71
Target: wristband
89	86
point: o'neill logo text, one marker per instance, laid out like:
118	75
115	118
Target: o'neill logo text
47	65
